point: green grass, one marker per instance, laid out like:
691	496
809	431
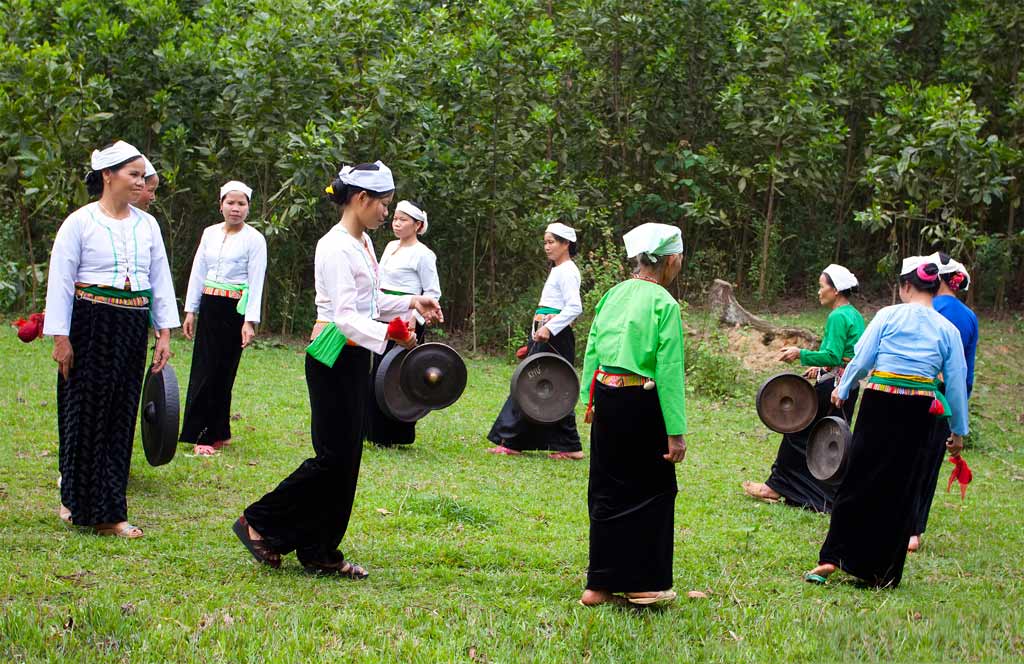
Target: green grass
477	558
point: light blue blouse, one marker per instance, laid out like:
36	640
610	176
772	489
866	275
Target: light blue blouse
914	340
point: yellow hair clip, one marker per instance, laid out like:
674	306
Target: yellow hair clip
330	189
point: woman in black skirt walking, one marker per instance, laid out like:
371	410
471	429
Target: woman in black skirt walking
309	511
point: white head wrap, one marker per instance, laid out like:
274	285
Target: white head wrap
419	215
559	229
377	181
653	240
841	278
118	153
911	263
150	168
950	267
235	185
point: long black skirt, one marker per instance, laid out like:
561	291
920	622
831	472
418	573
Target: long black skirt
790	476
873	515
97	407
931	466
215	357
380	428
632	493
309	511
513	430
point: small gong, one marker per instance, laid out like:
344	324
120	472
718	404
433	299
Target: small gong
433	375
828	449
387	389
787	403
159	415
545	387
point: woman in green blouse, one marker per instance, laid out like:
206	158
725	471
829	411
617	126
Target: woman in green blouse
633	385
790	478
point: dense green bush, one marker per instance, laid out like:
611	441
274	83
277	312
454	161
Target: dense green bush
779	134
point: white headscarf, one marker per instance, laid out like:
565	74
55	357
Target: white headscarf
653	240
377	181
118	153
419	215
841	278
949	268
235	185
150	169
559	229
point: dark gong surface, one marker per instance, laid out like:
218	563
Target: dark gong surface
433	375
828	449
387	389
160	416
545	387
787	403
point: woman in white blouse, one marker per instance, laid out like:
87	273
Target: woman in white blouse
559	306
309	511
407	267
108	279
226	290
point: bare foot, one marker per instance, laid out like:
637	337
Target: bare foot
823	569
914	544
65	514
253	535
221	444
119	529
205	450
575	456
761	492
596	597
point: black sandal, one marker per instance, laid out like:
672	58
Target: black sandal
258	548
340	567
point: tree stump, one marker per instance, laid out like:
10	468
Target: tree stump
723	303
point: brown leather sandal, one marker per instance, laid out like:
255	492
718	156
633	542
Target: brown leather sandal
339	567
258	548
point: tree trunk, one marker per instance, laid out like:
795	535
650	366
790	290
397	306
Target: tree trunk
722	302
766	241
31	254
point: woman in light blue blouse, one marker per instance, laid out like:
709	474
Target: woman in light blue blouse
902	352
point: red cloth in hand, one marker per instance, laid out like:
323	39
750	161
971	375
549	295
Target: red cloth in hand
398	330
31	329
961	473
521	352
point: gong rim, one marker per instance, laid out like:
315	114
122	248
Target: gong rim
541	371
159	416
415	375
387	389
786	403
828	449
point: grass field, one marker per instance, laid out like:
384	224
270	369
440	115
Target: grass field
481	559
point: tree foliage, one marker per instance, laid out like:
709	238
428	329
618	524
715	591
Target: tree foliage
779	134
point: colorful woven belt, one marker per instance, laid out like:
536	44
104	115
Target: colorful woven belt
612	380
136	302
903	384
220	292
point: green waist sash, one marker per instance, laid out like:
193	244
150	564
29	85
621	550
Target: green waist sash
393	292
328	345
547	311
243	302
118	293
932	386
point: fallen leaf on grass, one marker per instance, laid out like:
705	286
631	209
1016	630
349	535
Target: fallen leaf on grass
45	453
69	624
382	511
236	416
697	594
476	656
916	617
228	620
735	637
204	622
127	609
76	578
252	463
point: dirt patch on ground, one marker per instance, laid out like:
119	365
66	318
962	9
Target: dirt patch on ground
759	352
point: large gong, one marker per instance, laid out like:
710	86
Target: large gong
787	403
387	389
433	375
545	387
828	449
159	415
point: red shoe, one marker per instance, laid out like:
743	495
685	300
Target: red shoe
501	449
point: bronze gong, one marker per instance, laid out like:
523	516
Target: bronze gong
828	449
787	403
545	387
159	415
387	389
433	375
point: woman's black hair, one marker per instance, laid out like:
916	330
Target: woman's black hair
94	179
845	293
573	249
932	286
343	193
949	277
